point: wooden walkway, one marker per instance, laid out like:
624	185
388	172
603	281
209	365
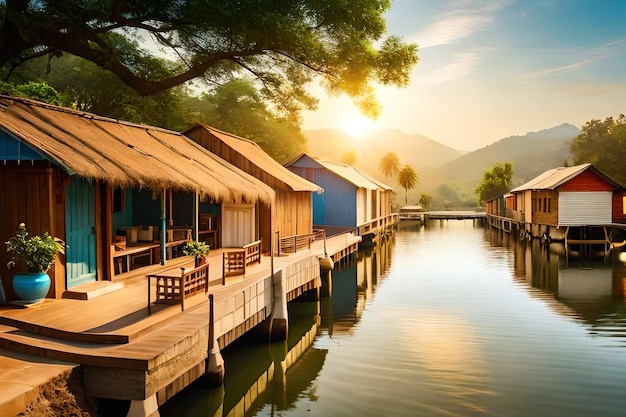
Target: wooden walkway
115	329
453	215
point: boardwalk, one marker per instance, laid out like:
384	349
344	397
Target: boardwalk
453	215
115	331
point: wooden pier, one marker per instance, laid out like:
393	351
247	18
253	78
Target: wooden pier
453	215
125	353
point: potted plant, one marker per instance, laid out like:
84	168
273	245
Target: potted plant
32	257
199	250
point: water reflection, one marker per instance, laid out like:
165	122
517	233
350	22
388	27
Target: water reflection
589	289
449	320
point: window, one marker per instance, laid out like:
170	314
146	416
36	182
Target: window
119	200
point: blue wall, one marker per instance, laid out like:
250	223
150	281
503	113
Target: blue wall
337	205
12	149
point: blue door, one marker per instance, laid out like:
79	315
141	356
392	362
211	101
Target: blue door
80	250
319	208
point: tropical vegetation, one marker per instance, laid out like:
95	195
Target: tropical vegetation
196	248
389	164
496	182
603	144
155	45
408	179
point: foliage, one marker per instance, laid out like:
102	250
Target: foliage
40	91
34	254
284	45
196	248
237	107
349	158
389	164
603	144
496	182
425	201
408	179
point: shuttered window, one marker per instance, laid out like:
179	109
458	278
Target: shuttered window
585	208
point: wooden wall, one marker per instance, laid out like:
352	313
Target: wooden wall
30	196
545	207
586	181
292	210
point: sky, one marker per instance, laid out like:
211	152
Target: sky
490	69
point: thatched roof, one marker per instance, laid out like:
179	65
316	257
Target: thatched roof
125	154
259	158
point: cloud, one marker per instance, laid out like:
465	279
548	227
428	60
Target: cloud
464	19
582	58
463	65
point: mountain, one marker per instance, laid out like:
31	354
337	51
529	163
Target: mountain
445	173
415	150
530	154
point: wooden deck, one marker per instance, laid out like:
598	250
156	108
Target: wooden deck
115	330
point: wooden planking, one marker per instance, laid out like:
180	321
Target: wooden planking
152	339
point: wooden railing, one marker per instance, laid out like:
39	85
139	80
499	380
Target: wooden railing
291	244
236	261
175	285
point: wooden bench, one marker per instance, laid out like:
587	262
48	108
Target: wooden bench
236	261
291	244
175	285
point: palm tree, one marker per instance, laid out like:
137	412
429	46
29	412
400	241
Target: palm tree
408	179
389	164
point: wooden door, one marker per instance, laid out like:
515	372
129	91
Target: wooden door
238	225
80	250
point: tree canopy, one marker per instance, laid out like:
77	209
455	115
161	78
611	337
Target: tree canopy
408	179
154	45
603	144
389	164
496	182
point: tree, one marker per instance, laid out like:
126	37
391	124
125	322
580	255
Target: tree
284	45
349	158
408	179
603	144
426	200
389	164
236	107
496	182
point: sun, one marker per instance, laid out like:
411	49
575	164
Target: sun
357	126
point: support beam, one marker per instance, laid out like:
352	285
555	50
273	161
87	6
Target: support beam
144	408
279	322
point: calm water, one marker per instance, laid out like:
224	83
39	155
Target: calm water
449	320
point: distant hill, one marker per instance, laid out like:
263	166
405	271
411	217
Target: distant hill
415	150
530	155
438	165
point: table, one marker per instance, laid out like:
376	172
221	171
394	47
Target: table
132	252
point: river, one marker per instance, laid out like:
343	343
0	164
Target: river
446	320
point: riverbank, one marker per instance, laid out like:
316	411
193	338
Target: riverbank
35	387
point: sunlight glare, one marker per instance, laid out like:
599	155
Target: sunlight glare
357	126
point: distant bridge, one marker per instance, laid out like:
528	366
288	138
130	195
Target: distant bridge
453	215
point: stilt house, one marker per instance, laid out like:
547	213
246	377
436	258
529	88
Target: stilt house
350	199
121	195
568	196
292	212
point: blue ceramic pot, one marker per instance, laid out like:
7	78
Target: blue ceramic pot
31	286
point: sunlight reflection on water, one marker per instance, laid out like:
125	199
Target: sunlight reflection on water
457	322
